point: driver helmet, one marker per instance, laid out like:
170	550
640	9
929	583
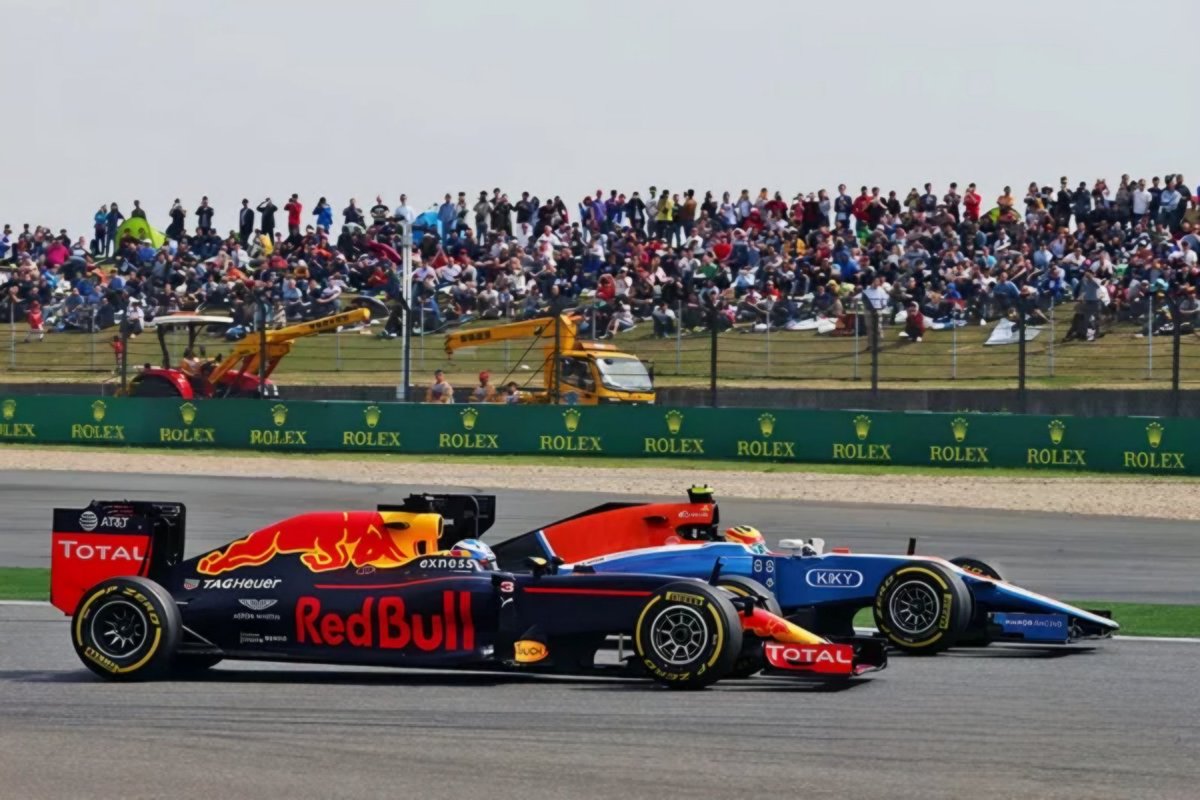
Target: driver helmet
473	548
747	535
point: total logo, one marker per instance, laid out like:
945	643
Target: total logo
99	552
833	578
795	655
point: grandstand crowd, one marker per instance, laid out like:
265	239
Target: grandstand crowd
674	259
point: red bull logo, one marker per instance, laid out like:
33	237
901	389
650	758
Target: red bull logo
330	541
386	624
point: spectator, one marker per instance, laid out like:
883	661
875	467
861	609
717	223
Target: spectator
664	321
267	209
204	216
484	392
440	391
293	207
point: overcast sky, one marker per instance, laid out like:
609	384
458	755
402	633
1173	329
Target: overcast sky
246	98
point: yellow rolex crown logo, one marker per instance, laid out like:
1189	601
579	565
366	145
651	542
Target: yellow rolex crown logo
9	408
766	424
279	413
372	415
469	415
1154	434
1057	429
187	412
958	427
571	419
674	421
862	426
99	409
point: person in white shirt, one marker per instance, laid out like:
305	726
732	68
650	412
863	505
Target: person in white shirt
1141	202
404	210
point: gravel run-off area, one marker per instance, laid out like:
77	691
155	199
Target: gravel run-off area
1107	496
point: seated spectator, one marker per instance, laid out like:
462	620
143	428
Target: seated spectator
440	391
664	321
914	324
622	320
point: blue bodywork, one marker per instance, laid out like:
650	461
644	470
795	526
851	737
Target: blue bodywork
826	589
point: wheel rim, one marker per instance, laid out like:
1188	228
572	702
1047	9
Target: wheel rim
119	629
915	607
679	635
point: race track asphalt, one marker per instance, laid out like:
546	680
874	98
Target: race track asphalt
1073	557
1117	721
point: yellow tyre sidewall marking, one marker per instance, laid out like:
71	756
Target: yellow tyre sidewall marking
948	596
151	619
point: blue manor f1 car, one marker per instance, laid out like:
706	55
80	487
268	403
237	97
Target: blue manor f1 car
921	604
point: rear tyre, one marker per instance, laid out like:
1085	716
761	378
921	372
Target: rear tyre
922	608
976	634
126	629
750	661
688	635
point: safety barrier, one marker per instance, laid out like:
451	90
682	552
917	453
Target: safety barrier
1125	444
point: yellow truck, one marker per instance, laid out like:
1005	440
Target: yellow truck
584	373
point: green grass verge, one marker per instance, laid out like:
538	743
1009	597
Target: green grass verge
601	462
1137	619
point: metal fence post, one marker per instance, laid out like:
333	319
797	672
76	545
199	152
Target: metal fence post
712	358
12	329
1176	344
263	309
953	348
1050	359
873	316
556	374
857	319
1150	336
421	315
337	351
92	340
768	345
678	333
124	358
1022	353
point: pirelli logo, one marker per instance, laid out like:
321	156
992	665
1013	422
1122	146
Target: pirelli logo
683	597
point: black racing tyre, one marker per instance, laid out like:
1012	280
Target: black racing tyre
126	629
977	634
688	635
922	607
977	566
750	661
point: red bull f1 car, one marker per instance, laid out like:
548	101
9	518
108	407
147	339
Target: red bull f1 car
382	588
921	604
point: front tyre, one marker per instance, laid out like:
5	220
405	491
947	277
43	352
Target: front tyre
126	629
922	607
751	660
688	635
977	634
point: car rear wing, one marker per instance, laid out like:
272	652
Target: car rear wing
464	516
108	539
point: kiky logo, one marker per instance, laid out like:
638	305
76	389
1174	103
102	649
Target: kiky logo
99	409
1154	434
571	419
9	408
372	415
766	424
862	426
256	604
833	578
279	414
187	413
88	521
674	421
958	426
469	415
1058	429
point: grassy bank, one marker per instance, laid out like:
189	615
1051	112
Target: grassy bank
1137	619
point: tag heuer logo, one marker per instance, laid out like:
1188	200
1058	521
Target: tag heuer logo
258	605
191	583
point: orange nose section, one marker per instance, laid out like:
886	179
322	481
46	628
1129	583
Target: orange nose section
766	625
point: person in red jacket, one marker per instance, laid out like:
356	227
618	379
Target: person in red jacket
859	210
971	203
293	209
34	315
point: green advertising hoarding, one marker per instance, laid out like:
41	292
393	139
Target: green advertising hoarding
1126	444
